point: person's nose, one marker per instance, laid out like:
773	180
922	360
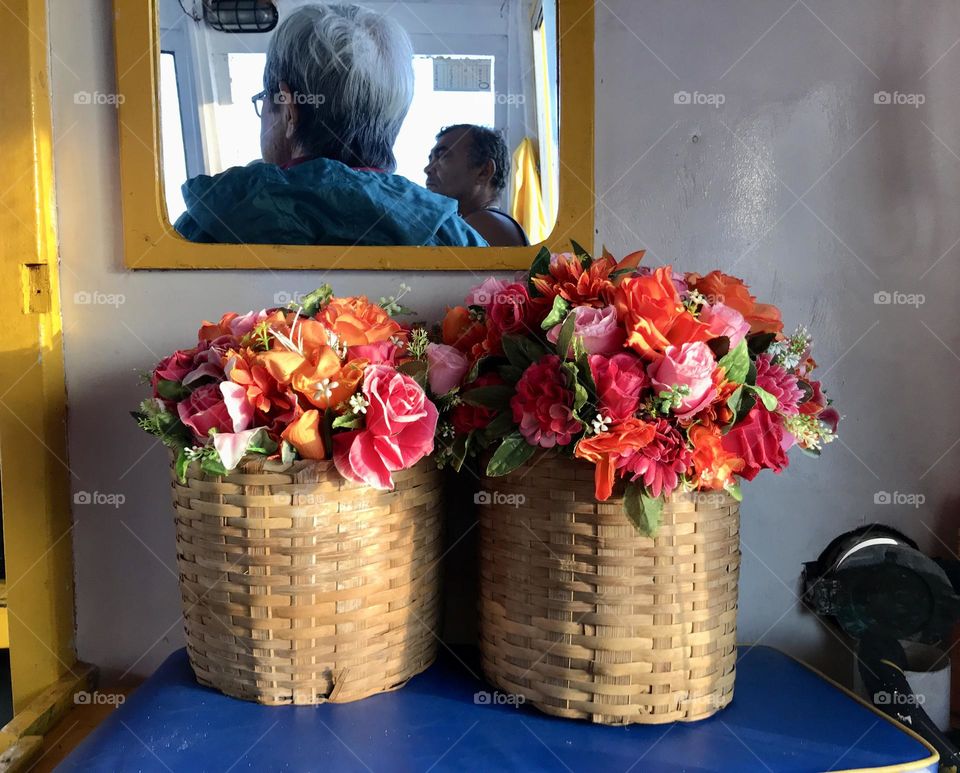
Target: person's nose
429	167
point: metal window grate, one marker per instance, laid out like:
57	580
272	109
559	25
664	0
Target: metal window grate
240	15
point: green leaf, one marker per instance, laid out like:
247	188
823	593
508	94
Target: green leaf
582	254
734	490
720	346
502	425
521	351
566	336
737	363
768	400
812	452
510	373
212	466
181	465
171	390
474	373
459	450
580	395
745	402
557	314
313	302
287	452
540	265
513	452
758	343
643	511
496	396
347	421
417	370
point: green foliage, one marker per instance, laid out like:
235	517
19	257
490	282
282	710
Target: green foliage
557	314
496	396
512	452
737	363
313	302
643	510
522	351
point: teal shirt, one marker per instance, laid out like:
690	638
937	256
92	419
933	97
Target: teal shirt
320	201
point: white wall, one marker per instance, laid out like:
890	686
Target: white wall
702	186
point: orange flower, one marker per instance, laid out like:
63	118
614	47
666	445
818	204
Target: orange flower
356	321
713	466
319	376
463	332
732	292
305	435
605	448
653	315
580	286
211	330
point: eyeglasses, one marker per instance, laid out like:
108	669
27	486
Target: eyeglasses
257	100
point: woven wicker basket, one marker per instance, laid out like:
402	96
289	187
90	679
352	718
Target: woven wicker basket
300	587
588	619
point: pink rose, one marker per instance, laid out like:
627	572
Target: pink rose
598	327
380	353
399	431
222	406
485	293
620	380
445	367
173	368
725	321
689	365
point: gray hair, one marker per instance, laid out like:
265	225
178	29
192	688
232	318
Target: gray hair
351	73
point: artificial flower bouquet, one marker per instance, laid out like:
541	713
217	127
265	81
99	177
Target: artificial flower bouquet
671	382
329	378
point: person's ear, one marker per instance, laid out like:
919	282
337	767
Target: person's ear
289	110
487	171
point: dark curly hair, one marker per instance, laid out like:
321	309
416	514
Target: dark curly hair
487	145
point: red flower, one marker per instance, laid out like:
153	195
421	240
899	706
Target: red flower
466	418
620	380
758	441
543	405
510	312
661	461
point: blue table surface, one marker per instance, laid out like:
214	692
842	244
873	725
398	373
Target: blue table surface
784	717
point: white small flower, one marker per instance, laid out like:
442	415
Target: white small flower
358	403
324	389
601	423
397	341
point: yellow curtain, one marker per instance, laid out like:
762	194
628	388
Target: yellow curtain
527	205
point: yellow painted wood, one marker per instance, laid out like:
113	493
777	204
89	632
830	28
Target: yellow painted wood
37	717
34	477
150	242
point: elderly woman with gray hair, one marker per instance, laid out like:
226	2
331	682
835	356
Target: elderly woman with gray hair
337	85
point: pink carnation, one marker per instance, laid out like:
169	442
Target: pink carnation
781	384
485	294
543	405
399	430
661	462
759	441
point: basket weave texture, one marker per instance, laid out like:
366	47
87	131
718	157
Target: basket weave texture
588	619
300	587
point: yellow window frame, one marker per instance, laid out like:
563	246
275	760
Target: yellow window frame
151	243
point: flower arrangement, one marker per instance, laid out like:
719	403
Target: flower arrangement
332	378
671	382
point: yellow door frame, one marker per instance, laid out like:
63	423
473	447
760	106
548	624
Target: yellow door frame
34	471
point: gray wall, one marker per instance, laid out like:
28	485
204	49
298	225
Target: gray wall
798	182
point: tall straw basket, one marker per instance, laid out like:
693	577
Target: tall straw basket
300	587
588	619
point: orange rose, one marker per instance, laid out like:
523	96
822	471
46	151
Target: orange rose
211	330
356	321
463	332
712	464
305	435
319	376
732	292
653	315
605	448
